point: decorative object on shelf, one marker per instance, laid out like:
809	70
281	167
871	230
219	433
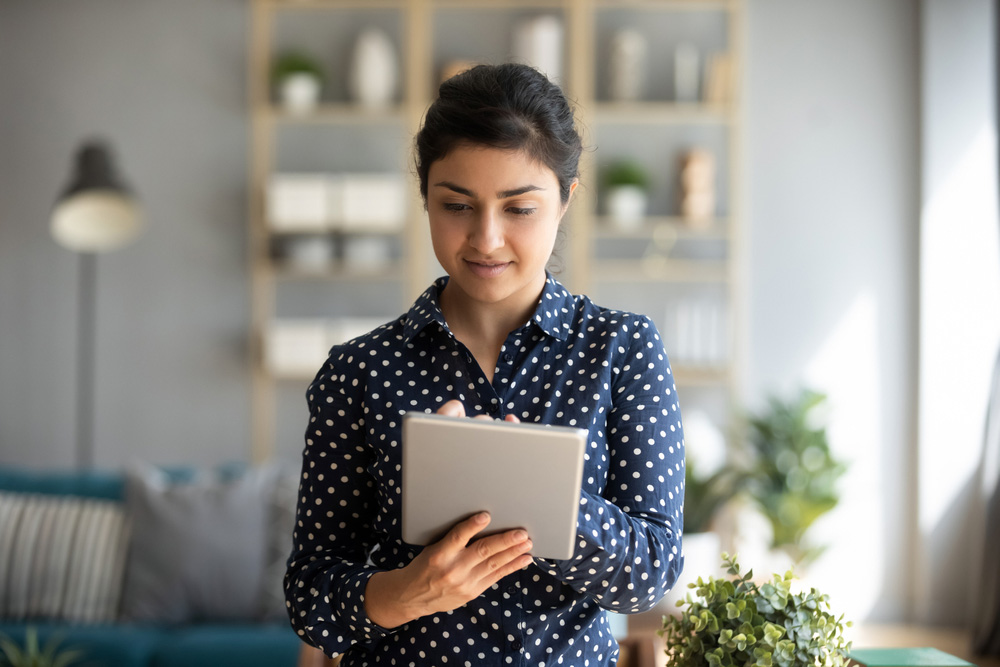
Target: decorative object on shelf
298	79
697	187
626	194
627	66
733	622
792	474
686	77
538	41
96	213
371	203
299	202
699	331
296	346
309	252
718	79
374	73
33	654
366	254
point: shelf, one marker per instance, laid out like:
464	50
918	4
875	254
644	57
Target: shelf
661	112
670	228
332	113
497	4
335	4
689	375
335	233
657	269
696	5
288	272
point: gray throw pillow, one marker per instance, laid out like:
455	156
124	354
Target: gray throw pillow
279	540
198	548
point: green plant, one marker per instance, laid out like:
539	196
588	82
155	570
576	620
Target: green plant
738	624
295	62
792	475
34	655
705	496
626	172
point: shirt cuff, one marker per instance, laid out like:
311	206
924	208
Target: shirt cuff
352	612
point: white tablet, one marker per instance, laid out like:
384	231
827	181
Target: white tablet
525	475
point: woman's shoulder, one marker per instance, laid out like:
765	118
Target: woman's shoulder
350	356
592	316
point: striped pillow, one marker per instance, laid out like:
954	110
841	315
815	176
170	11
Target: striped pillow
61	558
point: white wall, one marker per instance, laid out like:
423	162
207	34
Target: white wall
959	299
832	155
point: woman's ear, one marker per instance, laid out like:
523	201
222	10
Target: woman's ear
572	189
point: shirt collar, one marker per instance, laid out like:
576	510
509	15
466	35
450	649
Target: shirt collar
553	315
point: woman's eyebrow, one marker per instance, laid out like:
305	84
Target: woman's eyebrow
518	191
503	194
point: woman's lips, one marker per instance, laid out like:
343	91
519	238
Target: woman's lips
487	269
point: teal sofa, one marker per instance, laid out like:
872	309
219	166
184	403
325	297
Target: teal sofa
115	640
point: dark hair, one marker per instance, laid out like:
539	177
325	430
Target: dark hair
509	106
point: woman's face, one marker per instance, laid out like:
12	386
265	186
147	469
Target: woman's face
493	216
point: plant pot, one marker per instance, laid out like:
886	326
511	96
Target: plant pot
374	72
299	92
626	206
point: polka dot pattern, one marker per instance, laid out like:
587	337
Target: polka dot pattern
573	363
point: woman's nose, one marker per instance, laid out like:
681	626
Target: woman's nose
486	235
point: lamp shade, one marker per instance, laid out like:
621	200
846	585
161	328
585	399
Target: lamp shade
96	213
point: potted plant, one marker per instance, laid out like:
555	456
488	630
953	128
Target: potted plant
298	79
736	623
34	655
626	193
792	473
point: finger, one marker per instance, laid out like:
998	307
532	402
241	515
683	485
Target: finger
452	408
486	417
463	531
512	418
501	565
486	548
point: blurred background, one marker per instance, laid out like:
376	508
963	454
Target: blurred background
818	213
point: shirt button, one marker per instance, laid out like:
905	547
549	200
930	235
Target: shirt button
508	359
516	645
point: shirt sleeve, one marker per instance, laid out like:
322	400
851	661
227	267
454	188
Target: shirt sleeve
628	552
327	572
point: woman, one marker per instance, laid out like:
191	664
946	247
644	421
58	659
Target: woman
497	160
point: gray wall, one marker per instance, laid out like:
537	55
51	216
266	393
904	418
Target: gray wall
164	82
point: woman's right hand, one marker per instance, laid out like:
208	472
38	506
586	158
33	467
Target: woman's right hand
446	574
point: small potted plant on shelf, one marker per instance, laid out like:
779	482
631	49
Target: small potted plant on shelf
298	79
792	473
734	622
626	194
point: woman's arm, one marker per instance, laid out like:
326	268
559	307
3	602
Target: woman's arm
327	574
628	552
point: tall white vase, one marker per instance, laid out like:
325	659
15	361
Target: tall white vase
627	66
374	73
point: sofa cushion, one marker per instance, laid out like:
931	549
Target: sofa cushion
61	558
120	646
230	646
88	483
198	549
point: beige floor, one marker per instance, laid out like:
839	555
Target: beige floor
955	642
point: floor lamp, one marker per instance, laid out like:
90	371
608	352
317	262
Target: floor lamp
96	213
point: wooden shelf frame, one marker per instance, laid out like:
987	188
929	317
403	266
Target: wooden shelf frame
584	271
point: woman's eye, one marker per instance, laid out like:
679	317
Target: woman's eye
521	211
456	207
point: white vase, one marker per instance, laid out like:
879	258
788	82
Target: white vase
374	72
299	92
626	206
627	66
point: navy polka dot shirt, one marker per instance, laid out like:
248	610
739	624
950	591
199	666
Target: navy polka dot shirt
572	364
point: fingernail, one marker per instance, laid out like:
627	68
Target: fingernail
520	535
482	517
